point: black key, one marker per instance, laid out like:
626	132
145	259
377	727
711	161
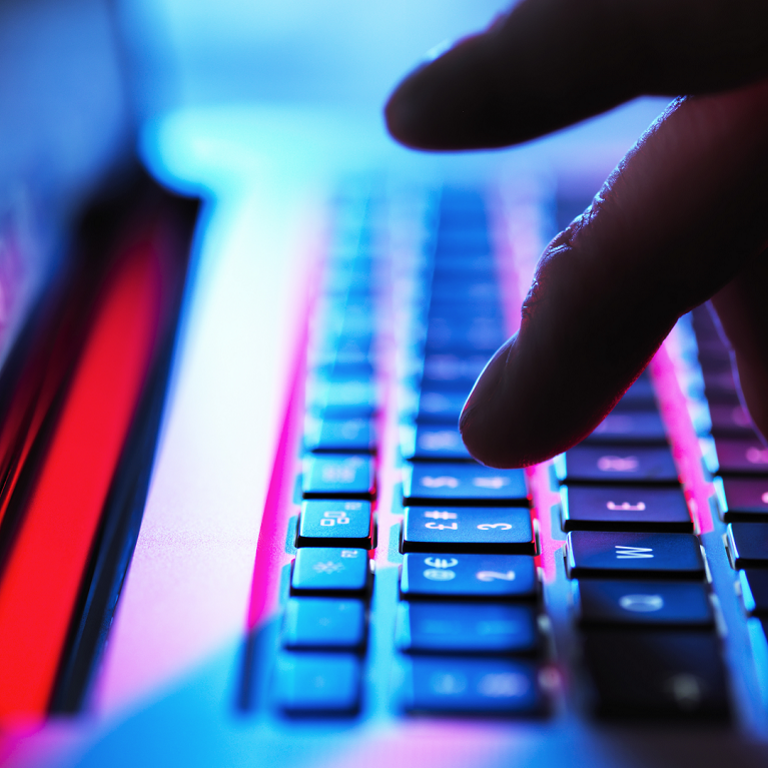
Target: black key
646	555
491	577
657	674
335	524
742	498
464	628
473	687
731	421
338	476
754	590
341	436
748	544
624	508
324	623
503	530
736	456
324	569
441	442
684	604
635	427
603	464
469	483
317	683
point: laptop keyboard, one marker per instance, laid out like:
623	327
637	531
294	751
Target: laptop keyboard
624	620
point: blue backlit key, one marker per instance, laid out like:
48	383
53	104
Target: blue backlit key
616	464
490	577
317	683
649	555
649	603
624	508
736	456
748	545
338	476
437	407
341	436
324	623
326	569
470	484
465	628
505	530
453	686
434	442
335	523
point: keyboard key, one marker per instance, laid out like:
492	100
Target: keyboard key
643	603
742	498
440	407
736	456
494	577
335	524
341	436
624	508
470	484
730	421
324	623
465	628
338	476
325	569
318	683
649	555
506	530
454	371
473	687
754	590
434	442
635	427
354	399
603	464
657	674
748	544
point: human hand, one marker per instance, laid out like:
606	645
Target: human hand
682	219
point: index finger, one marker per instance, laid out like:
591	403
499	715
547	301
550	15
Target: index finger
550	63
677	221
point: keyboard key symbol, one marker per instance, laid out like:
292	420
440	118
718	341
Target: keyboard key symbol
440	562
437	574
625	506
447	684
490	482
685	689
445	526
503	685
633	553
328	567
490	526
439	482
331	518
435	514
757	455
435	441
642	603
495	575
617	463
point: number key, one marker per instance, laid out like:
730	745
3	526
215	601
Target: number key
468	529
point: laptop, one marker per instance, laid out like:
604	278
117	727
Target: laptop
239	526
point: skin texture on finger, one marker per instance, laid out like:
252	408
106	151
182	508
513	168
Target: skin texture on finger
742	307
683	213
550	63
